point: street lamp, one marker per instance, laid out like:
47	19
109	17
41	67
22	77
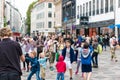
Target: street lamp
116	29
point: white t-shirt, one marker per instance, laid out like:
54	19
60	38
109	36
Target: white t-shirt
111	42
67	58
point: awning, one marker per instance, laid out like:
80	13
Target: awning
111	26
118	25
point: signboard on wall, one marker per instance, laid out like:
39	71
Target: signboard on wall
84	20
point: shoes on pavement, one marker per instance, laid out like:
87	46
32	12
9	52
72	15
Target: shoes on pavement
71	78
82	75
95	66
24	69
27	70
51	68
116	60
42	79
76	72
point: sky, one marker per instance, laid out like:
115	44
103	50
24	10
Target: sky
22	5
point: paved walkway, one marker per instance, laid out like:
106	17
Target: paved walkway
107	70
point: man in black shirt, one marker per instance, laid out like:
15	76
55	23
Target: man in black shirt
10	55
69	38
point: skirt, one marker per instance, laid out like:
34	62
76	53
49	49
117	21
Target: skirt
86	68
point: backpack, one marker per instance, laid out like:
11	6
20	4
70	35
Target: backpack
99	49
114	42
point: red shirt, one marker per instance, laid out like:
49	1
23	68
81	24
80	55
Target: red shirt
61	65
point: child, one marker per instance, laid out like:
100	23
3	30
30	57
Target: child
69	57
97	49
86	61
78	61
42	62
35	68
61	68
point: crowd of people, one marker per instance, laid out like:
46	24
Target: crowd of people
61	51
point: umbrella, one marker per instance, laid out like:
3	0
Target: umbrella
118	25
111	26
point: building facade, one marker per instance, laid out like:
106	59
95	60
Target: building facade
1	13
42	17
58	15
101	14
24	27
68	15
13	17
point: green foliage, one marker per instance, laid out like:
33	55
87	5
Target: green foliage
5	22
28	20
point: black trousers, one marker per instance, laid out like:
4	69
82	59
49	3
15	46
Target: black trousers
95	58
38	53
27	62
9	76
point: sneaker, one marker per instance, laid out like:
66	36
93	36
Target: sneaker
116	60
96	66
51	68
82	75
76	72
24	69
42	79
71	78
27	70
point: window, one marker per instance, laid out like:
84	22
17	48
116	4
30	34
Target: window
80	10
40	25
83	9
97	4
49	24
111	5
102	6
93	7
40	6
106	6
49	5
40	16
87	9
90	8
119	3
49	14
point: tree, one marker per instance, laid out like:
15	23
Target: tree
28	20
5	22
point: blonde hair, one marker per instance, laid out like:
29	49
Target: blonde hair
5	32
34	53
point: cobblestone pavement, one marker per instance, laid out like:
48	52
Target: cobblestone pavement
107	70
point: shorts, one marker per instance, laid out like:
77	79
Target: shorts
68	64
86	68
52	57
42	72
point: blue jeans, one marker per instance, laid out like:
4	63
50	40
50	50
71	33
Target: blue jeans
32	73
105	46
60	76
